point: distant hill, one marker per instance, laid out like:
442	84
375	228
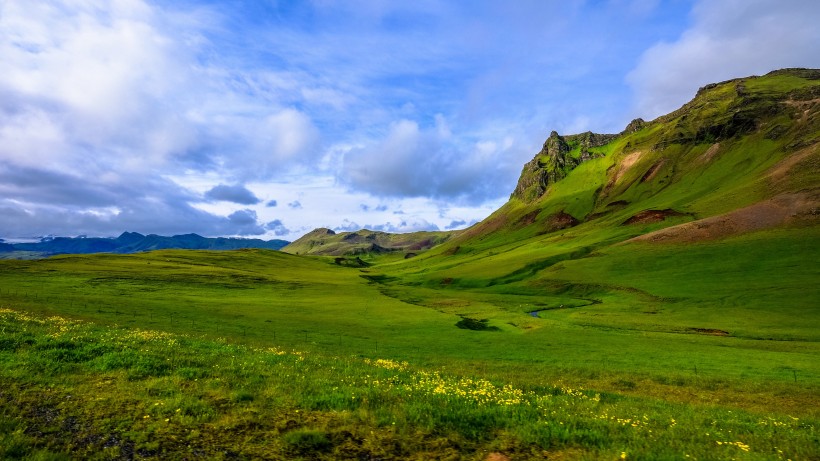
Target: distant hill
325	242
133	242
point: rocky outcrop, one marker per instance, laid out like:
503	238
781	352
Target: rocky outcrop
559	156
634	125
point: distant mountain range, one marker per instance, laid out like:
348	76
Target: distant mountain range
133	242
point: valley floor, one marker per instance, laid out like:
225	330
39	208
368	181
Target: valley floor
256	354
74	389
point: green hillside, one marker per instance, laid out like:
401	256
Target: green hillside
647	295
365	243
710	211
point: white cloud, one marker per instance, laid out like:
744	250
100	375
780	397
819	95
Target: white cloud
727	39
432	162
31	137
100	101
127	85
290	134
100	70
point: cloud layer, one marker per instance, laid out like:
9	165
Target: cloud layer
727	39
99	99
203	116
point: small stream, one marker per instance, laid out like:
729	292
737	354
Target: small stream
590	302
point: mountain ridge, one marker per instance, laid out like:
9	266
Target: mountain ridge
133	242
736	143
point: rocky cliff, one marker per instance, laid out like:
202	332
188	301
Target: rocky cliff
559	156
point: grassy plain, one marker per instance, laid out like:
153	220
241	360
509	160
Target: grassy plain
272	355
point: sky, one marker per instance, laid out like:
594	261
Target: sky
267	118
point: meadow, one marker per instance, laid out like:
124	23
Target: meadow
112	392
255	354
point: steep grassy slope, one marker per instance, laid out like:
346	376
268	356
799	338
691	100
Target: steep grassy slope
749	144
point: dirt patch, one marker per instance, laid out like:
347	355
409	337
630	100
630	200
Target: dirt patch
652	216
625	165
653	170
620	170
710	153
778	211
487	227
527	219
806	106
497	457
781	171
560	221
710	331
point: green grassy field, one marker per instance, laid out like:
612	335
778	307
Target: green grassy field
196	329
75	389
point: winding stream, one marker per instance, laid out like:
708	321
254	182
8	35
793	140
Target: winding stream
590	302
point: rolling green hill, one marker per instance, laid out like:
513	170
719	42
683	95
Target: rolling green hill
646	295
366	243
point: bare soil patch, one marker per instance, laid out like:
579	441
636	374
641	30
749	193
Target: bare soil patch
527	219
653	170
781	210
710	153
560	221
652	216
625	165
806	106
782	169
497	457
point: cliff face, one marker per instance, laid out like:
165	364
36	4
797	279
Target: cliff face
559	156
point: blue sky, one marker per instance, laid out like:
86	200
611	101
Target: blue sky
270	118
